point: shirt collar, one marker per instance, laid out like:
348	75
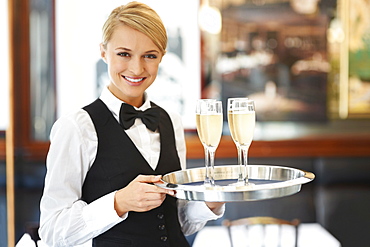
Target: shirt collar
114	104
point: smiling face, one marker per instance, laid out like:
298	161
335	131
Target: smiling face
133	61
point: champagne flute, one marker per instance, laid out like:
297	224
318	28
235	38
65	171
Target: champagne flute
232	132
199	104
209	126
242	120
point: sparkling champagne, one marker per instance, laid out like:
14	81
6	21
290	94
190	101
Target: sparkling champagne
231	125
199	130
241	124
210	129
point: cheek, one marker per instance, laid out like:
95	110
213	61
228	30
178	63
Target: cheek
153	69
115	66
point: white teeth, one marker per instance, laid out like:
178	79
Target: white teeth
134	80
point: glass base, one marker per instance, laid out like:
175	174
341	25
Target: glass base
228	182
241	183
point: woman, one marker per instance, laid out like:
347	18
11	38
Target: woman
103	161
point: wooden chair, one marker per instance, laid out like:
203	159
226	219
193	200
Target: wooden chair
262	221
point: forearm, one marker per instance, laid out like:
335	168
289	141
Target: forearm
78	223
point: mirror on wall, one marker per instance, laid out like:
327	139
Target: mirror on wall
301	61
277	53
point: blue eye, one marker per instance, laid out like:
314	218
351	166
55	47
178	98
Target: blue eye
152	56
123	54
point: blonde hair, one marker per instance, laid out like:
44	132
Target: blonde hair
139	17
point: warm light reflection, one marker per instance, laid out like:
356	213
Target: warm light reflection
304	6
335	31
210	19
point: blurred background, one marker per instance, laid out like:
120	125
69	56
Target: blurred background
304	62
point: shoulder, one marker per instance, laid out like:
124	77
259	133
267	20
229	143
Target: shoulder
76	118
77	122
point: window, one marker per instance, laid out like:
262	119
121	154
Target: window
42	69
4	65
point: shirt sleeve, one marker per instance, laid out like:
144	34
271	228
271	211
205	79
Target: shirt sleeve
65	219
193	215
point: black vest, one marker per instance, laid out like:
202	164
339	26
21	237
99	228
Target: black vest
116	164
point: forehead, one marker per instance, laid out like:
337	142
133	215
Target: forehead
126	37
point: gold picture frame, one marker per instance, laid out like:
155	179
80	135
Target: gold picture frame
354	86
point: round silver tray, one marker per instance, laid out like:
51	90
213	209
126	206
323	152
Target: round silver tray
268	182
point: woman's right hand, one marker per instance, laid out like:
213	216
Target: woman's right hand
140	195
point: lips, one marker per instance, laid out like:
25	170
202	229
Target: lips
134	80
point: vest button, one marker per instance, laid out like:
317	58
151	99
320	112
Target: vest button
164	238
161	227
160	216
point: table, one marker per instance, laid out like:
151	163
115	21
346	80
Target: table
309	234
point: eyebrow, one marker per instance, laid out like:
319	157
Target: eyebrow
126	49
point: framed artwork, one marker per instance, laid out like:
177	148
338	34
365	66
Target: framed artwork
357	51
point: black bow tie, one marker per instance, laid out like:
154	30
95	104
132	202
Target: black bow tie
128	114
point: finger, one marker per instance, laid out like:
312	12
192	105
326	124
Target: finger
148	178
170	192
160	197
151	188
152	200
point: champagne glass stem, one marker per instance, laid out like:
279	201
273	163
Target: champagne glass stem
241	165
212	164
244	151
207	180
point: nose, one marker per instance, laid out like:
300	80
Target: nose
136	66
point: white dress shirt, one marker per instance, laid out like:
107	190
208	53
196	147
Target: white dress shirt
65	219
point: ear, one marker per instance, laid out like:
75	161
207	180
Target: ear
103	52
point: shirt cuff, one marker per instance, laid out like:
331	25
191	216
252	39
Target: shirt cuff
199	212
101	213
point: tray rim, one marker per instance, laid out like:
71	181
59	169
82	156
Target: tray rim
238	193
